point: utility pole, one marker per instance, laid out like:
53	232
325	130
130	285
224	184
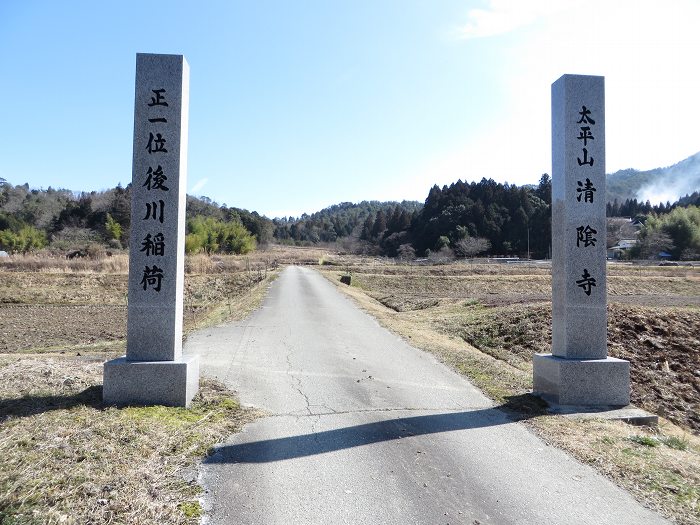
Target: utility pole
528	242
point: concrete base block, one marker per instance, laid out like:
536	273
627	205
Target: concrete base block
584	382
169	383
629	414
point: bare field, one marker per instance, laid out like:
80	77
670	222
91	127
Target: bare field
50	311
66	457
487	321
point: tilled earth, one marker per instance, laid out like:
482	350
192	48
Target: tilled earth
32	328
86	312
663	345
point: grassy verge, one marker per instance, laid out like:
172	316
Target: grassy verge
493	348
234	304
69	459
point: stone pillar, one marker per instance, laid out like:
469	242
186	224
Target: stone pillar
578	371
154	370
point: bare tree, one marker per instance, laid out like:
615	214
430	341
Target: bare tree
620	228
406	252
654	242
471	246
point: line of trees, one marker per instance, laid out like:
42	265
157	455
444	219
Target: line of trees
462	219
676	233
635	208
508	219
340	221
485	217
62	220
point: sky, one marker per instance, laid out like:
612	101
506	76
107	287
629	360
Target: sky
297	105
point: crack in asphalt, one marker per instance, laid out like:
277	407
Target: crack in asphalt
299	390
333	412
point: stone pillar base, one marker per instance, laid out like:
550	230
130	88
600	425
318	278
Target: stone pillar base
169	383
584	382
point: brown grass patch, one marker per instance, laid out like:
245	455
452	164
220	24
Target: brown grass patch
48	312
68	459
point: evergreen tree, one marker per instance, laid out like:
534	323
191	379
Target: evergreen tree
379	225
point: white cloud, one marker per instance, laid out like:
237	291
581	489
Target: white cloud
197	186
504	16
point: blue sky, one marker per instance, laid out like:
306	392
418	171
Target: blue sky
298	105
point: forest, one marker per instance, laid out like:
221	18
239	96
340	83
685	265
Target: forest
90	224
464	219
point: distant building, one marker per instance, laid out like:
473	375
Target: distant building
621	248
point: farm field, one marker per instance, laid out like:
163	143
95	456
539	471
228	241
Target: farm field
59	321
66	457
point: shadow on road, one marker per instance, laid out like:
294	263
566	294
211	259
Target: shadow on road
515	409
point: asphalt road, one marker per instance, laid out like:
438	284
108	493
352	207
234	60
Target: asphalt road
365	429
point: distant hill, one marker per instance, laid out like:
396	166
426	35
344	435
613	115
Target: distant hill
658	185
343	220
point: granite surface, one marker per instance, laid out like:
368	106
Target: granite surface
587	382
153	370
156	256
168	383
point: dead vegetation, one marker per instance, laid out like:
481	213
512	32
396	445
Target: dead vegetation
66	457
486	321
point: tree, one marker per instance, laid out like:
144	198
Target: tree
471	246
442	242
379	225
406	252
113	228
27	239
209	235
677	233
235	238
683	226
544	188
652	244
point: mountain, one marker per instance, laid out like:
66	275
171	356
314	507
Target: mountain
658	185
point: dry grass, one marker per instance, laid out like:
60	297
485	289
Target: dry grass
664	476
68	459
488	327
118	263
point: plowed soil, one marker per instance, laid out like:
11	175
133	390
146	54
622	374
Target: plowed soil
86	312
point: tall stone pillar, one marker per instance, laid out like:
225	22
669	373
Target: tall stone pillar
578	371
154	370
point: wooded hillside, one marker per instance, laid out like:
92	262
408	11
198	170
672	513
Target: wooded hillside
462	220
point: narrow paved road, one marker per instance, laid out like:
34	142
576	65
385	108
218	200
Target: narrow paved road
365	429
